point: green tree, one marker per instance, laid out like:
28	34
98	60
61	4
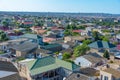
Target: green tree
5	23
3	36
106	54
81	50
56	53
95	34
66	55
105	39
87	41
67	32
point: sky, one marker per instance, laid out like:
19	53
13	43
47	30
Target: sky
77	6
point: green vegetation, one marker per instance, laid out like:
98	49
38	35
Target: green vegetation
95	34
106	54
66	56
56	53
1	52
108	31
81	50
20	59
87	41
70	28
111	61
3	36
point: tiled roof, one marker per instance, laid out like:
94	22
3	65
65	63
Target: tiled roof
101	44
48	63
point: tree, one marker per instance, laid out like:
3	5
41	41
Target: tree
95	34
106	54
105	39
87	41
81	50
66	55
56	53
5	23
3	36
67	32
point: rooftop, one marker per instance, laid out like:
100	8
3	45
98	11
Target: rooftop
6	73
77	76
101	44
41	65
25	46
93	57
115	73
31	36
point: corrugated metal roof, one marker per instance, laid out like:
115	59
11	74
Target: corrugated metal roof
48	63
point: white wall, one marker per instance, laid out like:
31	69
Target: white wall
83	62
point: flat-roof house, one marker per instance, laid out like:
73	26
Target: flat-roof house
109	74
23	48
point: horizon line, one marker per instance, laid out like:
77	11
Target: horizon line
63	12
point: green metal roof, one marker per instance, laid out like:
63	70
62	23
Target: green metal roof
101	44
48	63
51	45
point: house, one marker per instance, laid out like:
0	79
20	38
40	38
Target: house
67	45
48	68
91	72
13	35
48	40
28	23
109	74
73	38
23	48
52	47
33	38
77	76
98	45
90	60
118	37
84	74
38	30
42	53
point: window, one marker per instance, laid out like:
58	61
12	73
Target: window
79	63
101	77
105	78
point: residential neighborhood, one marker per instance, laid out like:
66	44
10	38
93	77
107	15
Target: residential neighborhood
59	46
